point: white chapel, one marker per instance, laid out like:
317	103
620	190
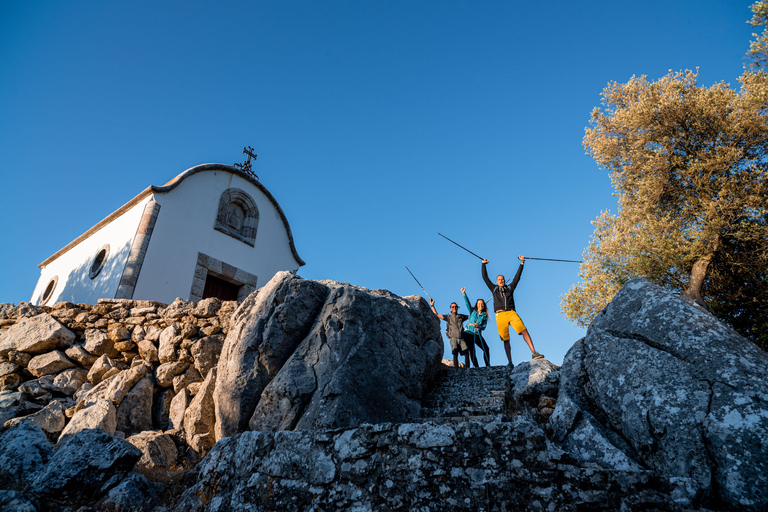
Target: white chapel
212	231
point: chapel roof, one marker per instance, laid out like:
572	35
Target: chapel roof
169	186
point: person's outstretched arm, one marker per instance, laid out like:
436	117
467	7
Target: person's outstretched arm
488	282
519	272
432	303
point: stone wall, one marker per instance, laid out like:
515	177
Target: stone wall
128	367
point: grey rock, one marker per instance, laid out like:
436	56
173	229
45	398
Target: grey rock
98	414
179	405
20	358
38	334
49	363
69	381
100	368
18	502
207	308
8	368
530	380
199	417
24	451
148	351
158	451
674	390
167	371
185	379
304	355
116	387
50	418
134	414
169	340
466	466
205	352
82	356
84	464
97	342
133	494
38	387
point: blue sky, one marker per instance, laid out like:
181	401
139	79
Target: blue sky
377	125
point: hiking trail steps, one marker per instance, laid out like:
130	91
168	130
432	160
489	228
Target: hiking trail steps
466	394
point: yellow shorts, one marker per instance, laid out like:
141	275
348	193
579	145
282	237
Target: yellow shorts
506	318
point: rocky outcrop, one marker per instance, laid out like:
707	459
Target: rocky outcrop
311	355
141	369
496	466
659	384
328	396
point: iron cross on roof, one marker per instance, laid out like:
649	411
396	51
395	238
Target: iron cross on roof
246	166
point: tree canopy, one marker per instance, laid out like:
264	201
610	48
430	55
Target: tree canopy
689	164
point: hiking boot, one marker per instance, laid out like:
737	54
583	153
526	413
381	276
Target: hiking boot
510	365
536	355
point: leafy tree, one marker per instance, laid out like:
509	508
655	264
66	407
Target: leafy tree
690	168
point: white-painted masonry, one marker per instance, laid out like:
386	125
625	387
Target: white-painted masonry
183	227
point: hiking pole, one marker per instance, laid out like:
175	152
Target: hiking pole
414	277
470	252
548	259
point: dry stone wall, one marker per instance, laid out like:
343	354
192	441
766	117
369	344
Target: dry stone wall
117	365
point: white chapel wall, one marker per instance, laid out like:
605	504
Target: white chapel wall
185	226
72	268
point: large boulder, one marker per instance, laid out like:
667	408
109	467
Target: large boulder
85	465
38	334
467	466
24	451
306	354
661	384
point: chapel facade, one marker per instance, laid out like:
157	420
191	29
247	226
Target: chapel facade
212	231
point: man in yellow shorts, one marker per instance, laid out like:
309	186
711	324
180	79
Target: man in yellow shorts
504	306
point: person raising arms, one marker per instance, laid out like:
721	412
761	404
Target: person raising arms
478	318
454	330
504	306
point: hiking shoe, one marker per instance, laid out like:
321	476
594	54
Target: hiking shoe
536	355
510	365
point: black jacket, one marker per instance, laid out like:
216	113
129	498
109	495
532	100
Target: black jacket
503	298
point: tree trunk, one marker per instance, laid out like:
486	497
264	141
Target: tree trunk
699	272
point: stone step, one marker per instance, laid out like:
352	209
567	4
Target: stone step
461	419
466	394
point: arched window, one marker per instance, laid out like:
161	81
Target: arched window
238	216
49	290
98	261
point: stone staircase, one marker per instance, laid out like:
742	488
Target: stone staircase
466	394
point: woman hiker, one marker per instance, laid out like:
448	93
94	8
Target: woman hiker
478	318
504	306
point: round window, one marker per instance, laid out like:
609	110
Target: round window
98	261
49	290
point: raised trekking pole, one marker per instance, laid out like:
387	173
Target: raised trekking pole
470	252
417	281
548	259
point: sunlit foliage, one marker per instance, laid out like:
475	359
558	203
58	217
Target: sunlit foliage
689	165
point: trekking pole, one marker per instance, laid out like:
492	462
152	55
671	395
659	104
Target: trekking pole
548	259
417	281
470	252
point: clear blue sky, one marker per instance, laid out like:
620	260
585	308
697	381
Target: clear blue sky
377	124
